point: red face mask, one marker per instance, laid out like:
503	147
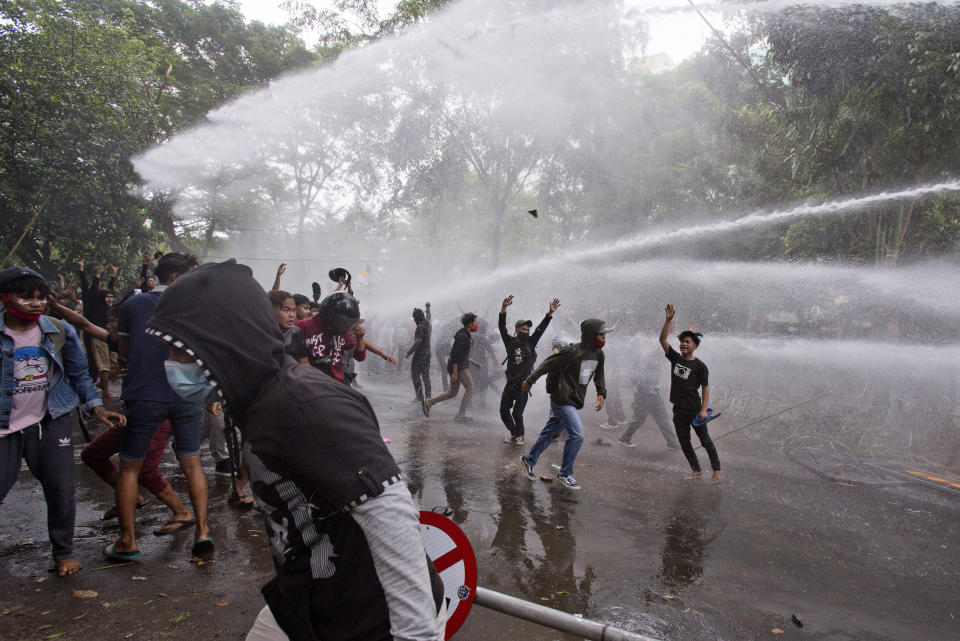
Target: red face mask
599	342
17	312
474	327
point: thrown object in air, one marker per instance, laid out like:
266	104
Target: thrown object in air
532	212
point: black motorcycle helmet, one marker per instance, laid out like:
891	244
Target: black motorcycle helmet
339	312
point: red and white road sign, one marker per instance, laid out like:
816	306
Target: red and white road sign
453	557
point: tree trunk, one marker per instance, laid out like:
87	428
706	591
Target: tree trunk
160	211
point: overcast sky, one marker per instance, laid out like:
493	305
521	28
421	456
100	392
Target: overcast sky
678	34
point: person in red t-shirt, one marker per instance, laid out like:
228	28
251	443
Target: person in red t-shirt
329	335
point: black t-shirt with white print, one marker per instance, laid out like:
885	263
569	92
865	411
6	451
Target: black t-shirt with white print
686	379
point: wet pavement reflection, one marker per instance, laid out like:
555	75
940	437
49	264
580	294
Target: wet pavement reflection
637	547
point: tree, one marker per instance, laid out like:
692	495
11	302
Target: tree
871	102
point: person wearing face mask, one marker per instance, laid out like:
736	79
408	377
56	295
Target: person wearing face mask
343	529
521	355
44	377
458	366
149	400
568	373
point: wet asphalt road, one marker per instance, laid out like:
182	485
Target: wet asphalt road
638	547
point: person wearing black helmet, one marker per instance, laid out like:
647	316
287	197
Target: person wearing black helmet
458	366
329	335
568	374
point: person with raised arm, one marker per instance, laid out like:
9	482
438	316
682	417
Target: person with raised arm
521	357
689	375
420	350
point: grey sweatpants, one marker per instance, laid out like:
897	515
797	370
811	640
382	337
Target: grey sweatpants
48	450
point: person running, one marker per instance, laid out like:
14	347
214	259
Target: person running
420	350
688	375
44	377
568	374
343	528
521	356
458	366
647	402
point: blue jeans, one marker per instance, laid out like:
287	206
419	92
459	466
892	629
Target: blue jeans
143	419
562	417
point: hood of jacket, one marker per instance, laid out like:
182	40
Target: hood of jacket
223	317
589	329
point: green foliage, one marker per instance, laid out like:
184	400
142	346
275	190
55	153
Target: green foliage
870	102
85	85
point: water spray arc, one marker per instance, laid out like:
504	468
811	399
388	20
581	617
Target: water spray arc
648	240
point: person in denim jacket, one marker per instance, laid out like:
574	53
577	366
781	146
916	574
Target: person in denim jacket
44	377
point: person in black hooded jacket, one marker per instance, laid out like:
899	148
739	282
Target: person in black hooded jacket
569	371
343	528
420	350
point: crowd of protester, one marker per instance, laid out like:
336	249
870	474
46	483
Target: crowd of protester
271	377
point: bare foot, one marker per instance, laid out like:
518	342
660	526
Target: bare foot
717	475
693	476
68	566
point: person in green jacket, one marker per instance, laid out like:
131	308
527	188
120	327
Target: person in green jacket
568	374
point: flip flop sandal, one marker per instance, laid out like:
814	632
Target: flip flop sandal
174	526
110	552
201	546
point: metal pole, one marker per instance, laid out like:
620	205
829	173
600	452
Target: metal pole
555	619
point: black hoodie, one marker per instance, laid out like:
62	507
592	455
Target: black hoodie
313	448
576	365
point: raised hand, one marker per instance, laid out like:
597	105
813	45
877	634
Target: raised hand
554	304
79	265
507	302
113	271
669	312
98	272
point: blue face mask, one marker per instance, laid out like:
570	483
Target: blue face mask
188	381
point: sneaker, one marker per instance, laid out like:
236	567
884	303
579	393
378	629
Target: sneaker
518	440
417	400
568	481
527	469
508	439
462	418
609	426
222	467
426	407
625	444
